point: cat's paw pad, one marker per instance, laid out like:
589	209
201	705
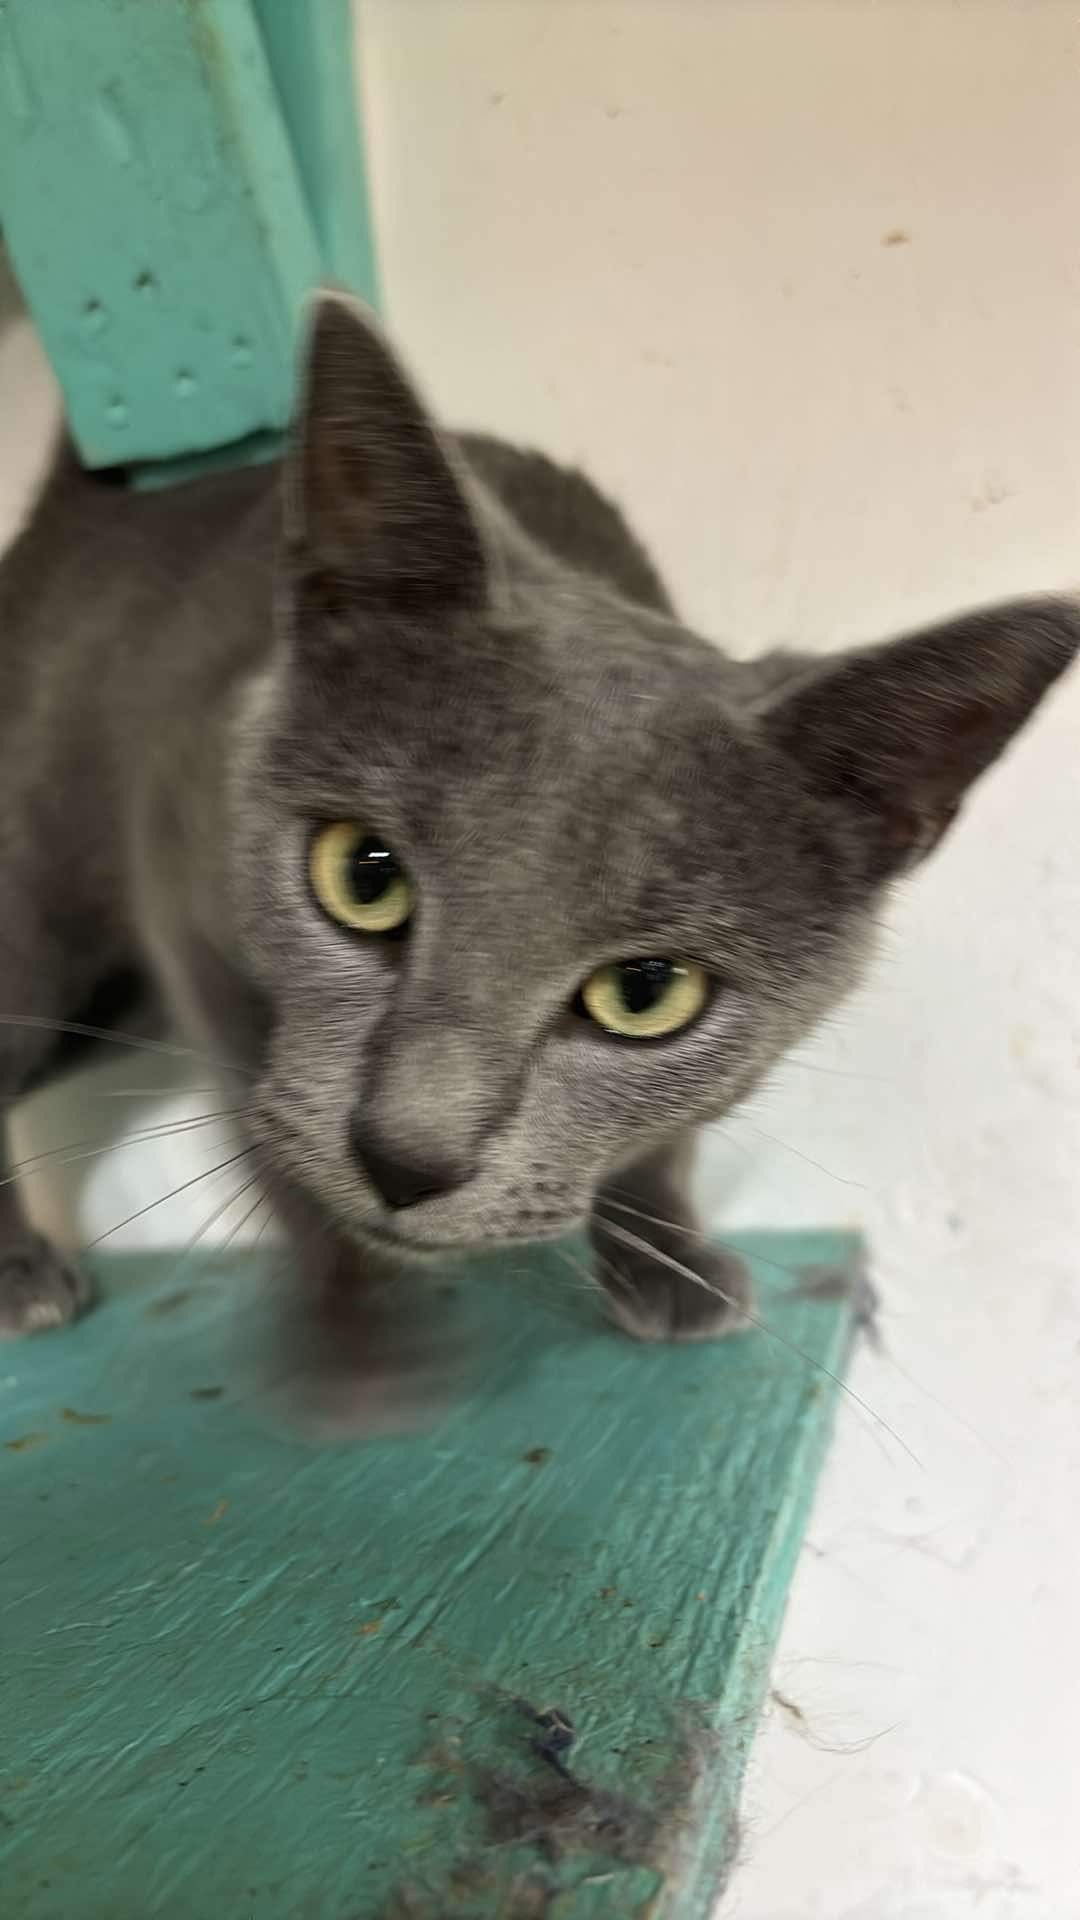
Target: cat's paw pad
38	1288
709	1299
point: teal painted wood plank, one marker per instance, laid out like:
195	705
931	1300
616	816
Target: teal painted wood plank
311	55
156	219
243	1675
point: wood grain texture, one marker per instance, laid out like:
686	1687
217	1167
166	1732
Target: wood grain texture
168	208
243	1675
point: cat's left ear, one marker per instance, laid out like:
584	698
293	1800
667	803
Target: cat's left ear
371	496
897	733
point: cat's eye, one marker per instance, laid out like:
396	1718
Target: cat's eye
645	999
358	881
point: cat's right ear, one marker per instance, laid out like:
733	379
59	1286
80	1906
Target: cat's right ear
897	733
372	500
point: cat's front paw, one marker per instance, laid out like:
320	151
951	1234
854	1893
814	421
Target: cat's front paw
38	1288
704	1294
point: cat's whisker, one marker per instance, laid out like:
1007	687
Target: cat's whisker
175	1090
208	1173
719	1127
268	1221
614	1286
829	1073
162	1199
67	1156
239	1225
710	1239
707	1239
608	1266
635	1242
81	1030
262	1199
124	1347
785	1145
943	1406
211	1221
622	1205
578	1268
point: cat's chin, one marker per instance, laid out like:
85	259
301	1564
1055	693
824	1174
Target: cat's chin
377	1239
385	1240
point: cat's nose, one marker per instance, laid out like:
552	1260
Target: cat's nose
400	1180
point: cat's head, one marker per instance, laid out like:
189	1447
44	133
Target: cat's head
534	878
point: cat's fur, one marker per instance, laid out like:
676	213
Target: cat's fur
463	646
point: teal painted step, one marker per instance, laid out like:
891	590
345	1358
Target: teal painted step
244	1676
309	49
175	178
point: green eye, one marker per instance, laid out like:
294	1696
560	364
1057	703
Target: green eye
645	999
358	881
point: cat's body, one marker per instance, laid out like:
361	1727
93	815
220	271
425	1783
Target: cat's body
478	662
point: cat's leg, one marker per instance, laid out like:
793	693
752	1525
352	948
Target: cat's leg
38	1287
664	1279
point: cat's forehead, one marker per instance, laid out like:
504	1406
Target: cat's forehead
580	704
576	763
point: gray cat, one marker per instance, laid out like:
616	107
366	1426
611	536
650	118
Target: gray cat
394	774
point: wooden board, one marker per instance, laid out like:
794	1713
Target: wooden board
308	48
242	1675
175	178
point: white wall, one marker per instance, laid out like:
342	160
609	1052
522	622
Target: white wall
801	283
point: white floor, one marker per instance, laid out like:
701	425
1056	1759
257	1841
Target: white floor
801	283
